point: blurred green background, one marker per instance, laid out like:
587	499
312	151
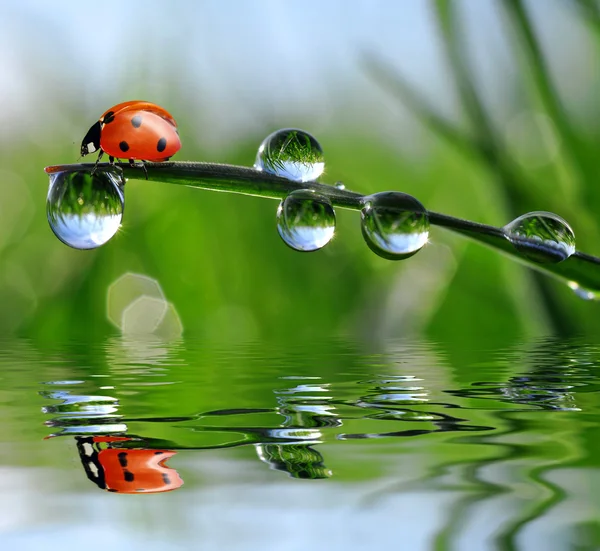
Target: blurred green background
482	109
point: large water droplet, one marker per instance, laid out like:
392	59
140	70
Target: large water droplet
541	236
306	220
85	210
395	225
292	154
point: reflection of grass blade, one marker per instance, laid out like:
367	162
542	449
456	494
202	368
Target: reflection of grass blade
554	495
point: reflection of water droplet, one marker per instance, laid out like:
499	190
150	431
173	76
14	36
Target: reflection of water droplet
299	461
85	210
585	294
394	225
340	185
541	236
292	154
81	406
306	220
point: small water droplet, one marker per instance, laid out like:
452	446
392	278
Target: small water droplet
85	210
543	237
394	225
306	220
583	293
292	154
340	185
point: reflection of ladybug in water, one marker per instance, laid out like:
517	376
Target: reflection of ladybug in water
126	471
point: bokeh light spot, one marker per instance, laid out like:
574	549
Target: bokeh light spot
136	304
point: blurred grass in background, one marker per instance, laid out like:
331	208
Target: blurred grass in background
503	128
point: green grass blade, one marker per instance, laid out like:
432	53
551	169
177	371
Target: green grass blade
580	269
540	75
389	79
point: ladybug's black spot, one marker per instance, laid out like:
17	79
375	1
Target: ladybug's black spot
109	117
111	490
166	479
158	453
128	476
124	146
161	145
136	121
122	459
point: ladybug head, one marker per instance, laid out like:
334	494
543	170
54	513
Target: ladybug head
91	142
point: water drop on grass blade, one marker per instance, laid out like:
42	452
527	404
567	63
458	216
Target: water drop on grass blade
292	154
583	293
394	225
85	210
306	220
543	237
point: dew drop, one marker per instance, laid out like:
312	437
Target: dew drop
292	154
85	210
306	220
394	225
340	185
583	293
543	237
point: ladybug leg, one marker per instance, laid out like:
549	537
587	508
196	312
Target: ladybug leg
97	161
142	166
112	160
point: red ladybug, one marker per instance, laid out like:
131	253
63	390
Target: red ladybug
125	470
134	130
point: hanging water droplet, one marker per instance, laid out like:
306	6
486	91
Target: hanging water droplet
340	185
306	220
292	154
85	210
394	225
543	237
583	293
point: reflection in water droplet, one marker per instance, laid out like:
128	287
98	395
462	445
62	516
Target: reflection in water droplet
340	185
292	154
394	225
543	237
306	220
85	210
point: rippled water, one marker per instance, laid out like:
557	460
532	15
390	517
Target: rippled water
329	445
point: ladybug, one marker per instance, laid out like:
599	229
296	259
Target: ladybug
125	470
134	130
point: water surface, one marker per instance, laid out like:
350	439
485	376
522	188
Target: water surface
144	444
